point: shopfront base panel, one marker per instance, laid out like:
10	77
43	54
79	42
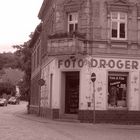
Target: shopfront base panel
49	113
101	116
110	116
45	112
33	109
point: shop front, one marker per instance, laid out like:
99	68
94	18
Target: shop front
116	88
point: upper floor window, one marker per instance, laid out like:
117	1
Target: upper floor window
72	22
118	25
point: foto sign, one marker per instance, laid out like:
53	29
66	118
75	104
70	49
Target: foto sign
93	77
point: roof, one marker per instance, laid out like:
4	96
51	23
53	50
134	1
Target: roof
36	35
44	4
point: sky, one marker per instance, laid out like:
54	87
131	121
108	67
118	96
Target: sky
18	18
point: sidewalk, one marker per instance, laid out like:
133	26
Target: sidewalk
33	117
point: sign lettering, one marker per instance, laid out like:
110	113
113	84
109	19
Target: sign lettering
99	63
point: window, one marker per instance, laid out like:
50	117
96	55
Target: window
118	25
117	90
72	22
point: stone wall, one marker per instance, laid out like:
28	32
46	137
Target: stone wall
94	21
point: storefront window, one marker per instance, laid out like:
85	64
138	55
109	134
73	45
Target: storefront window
117	90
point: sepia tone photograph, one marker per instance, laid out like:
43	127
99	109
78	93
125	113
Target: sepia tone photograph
70	70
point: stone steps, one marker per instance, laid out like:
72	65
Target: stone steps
68	120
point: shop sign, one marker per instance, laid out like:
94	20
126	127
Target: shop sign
100	63
71	63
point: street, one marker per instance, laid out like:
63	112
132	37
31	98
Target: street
16	124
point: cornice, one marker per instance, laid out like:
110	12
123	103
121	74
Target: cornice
36	35
119	5
43	7
72	5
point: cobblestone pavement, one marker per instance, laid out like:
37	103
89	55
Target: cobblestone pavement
16	124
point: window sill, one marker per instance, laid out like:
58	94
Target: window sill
117	108
119	41
119	44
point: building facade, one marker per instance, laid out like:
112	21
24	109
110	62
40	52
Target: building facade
35	45
82	37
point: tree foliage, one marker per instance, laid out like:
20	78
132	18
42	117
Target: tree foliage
7	60
20	59
7	88
23	56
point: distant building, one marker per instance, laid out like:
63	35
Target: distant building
75	39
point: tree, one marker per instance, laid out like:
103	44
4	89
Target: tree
7	60
8	88
23	58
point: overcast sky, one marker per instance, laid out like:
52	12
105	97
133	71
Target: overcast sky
18	18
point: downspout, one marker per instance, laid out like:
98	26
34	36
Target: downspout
40	78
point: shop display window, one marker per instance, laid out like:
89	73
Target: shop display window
117	90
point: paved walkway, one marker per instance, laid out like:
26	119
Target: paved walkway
34	117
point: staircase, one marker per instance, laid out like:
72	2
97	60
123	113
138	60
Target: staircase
68	118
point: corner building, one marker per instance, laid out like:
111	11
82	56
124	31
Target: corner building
81	37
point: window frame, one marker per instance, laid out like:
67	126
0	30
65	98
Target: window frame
74	22
118	20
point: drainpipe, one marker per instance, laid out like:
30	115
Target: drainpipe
40	78
39	106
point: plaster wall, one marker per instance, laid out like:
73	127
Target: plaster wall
100	88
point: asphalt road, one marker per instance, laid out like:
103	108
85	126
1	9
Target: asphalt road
16	124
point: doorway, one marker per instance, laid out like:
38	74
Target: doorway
71	92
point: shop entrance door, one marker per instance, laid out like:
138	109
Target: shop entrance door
72	93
